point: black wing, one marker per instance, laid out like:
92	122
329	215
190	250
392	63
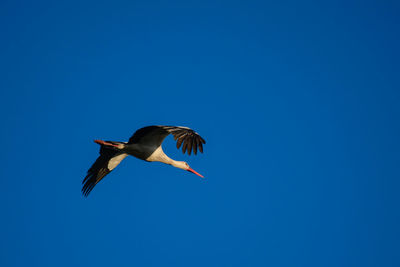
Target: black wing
104	164
155	135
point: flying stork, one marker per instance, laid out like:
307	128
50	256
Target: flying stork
145	144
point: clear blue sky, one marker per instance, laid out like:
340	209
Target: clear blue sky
298	102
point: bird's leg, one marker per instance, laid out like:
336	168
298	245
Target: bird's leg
101	142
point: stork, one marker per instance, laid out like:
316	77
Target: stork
145	144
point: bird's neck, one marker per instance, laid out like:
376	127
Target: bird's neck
175	163
178	164
159	155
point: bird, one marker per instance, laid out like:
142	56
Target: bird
144	144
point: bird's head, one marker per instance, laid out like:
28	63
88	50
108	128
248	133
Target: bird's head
184	166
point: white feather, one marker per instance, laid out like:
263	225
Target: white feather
115	161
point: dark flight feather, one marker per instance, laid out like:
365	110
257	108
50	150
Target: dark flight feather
155	135
98	170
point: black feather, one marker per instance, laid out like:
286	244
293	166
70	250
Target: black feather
155	135
179	143
201	147
189	145
194	142
98	170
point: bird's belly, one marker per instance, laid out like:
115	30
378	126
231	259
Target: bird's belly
156	155
140	152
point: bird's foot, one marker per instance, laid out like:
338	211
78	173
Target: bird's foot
101	142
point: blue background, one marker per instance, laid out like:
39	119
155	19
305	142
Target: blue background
298	102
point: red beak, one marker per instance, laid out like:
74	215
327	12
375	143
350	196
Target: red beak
191	170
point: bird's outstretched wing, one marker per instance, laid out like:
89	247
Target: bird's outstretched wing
105	163
155	135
